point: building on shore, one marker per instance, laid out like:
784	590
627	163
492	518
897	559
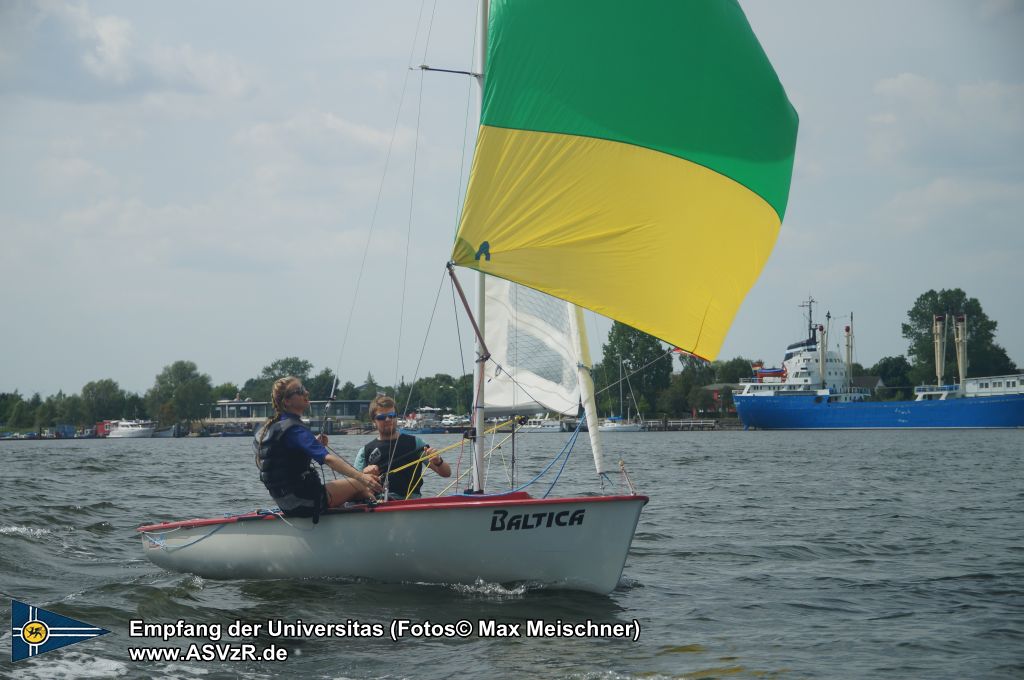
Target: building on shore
330	417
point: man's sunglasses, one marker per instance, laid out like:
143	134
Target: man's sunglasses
385	416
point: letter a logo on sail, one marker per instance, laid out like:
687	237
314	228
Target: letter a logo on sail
36	631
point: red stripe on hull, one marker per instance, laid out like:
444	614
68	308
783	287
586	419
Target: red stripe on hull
516	499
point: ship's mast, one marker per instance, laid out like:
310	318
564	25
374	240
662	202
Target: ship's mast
960	336
823	349
849	355
810	316
939	331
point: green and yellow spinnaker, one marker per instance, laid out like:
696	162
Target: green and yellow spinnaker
633	158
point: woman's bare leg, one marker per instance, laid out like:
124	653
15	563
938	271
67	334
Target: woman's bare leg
340	491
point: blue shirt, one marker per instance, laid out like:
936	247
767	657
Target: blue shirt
302	438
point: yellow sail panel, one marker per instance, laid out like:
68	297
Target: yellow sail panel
654	241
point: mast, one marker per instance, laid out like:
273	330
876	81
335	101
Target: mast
620	386
810	316
939	331
849	355
960	335
479	416
823	349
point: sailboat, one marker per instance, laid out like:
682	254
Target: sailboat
617	423
623	151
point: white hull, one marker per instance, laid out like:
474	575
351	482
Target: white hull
131	433
569	543
555	427
615	427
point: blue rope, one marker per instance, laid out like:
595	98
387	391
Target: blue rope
566	450
569	444
158	539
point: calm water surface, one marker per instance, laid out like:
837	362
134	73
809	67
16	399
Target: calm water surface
778	555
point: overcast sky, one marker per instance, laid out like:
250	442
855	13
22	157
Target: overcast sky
196	180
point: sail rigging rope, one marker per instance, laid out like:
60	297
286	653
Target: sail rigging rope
492	449
408	229
412	203
458	335
633	397
625	378
566	450
451	446
423	347
376	205
438	452
465	133
157	539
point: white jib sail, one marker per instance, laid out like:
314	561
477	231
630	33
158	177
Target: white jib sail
534	356
539	345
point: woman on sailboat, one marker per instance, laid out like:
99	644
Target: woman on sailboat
286	450
397	458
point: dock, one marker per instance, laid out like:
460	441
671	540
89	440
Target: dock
687	425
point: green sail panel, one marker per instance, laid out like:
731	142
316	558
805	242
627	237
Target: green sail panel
687	78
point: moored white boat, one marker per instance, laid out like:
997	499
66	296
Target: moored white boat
132	429
167	432
618	425
541	424
571	543
424	421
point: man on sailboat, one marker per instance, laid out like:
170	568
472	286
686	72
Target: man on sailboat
397	459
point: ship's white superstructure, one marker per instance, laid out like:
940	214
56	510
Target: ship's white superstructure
809	367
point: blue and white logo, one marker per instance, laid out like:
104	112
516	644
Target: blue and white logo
36	631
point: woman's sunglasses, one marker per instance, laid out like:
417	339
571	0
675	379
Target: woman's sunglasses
296	390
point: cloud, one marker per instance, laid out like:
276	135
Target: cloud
955	205
321	136
109	39
975	127
72	173
314	155
203	71
65	50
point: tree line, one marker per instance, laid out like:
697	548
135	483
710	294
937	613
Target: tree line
182	394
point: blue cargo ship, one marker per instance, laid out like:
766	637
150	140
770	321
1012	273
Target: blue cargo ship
814	391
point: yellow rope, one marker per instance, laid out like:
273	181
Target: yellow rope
438	453
459	478
447	448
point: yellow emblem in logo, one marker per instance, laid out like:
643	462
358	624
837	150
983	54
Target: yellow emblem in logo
35	632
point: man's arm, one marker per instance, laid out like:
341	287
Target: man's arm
437	464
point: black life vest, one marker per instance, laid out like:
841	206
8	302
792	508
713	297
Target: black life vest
388	455
288	473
